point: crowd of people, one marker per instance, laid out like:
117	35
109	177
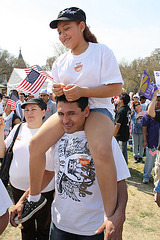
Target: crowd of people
132	122
73	141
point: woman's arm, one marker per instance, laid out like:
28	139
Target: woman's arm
2	143
73	92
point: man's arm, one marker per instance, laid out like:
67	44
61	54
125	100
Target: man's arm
151	108
116	129
114	224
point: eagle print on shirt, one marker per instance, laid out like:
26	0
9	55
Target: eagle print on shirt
76	173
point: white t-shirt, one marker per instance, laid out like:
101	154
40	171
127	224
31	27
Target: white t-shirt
93	68
19	169
5	201
78	206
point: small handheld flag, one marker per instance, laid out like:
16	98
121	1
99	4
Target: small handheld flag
36	76
153	153
147	86
12	101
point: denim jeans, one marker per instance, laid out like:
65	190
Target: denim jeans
138	145
123	147
57	234
149	163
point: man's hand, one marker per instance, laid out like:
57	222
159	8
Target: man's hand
145	144
17	210
113	227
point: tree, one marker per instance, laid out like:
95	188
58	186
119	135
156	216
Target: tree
132	72
58	49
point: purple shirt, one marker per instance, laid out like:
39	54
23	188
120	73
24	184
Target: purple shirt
152	130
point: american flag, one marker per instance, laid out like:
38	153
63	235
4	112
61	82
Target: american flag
12	101
33	82
36	76
39	70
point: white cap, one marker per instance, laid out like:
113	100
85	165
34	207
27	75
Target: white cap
135	96
44	91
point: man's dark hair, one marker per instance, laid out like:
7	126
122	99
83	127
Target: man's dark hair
22	94
125	97
82	102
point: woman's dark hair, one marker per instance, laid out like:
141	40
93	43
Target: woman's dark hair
135	102
88	36
82	102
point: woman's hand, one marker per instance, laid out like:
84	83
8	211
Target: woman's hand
58	89
73	92
2	124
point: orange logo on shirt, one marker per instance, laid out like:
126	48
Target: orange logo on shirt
78	67
83	161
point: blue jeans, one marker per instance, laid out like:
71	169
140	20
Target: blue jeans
138	145
149	164
57	234
123	147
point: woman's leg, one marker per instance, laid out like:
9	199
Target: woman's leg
43	217
141	148
135	145
99	131
47	135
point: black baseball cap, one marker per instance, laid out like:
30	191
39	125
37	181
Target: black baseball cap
69	14
39	101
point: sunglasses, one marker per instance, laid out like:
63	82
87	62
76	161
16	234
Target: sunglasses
137	104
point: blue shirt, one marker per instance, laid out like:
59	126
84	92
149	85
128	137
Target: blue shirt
136	123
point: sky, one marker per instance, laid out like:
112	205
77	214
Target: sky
131	28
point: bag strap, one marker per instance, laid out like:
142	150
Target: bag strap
16	133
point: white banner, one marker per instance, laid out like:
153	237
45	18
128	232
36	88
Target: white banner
157	78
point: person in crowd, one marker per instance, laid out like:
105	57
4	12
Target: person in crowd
37	227
122	122
51	106
1	104
10	119
143	103
136	131
150	142
136	97
5	203
19	110
155	114
78	207
99	80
